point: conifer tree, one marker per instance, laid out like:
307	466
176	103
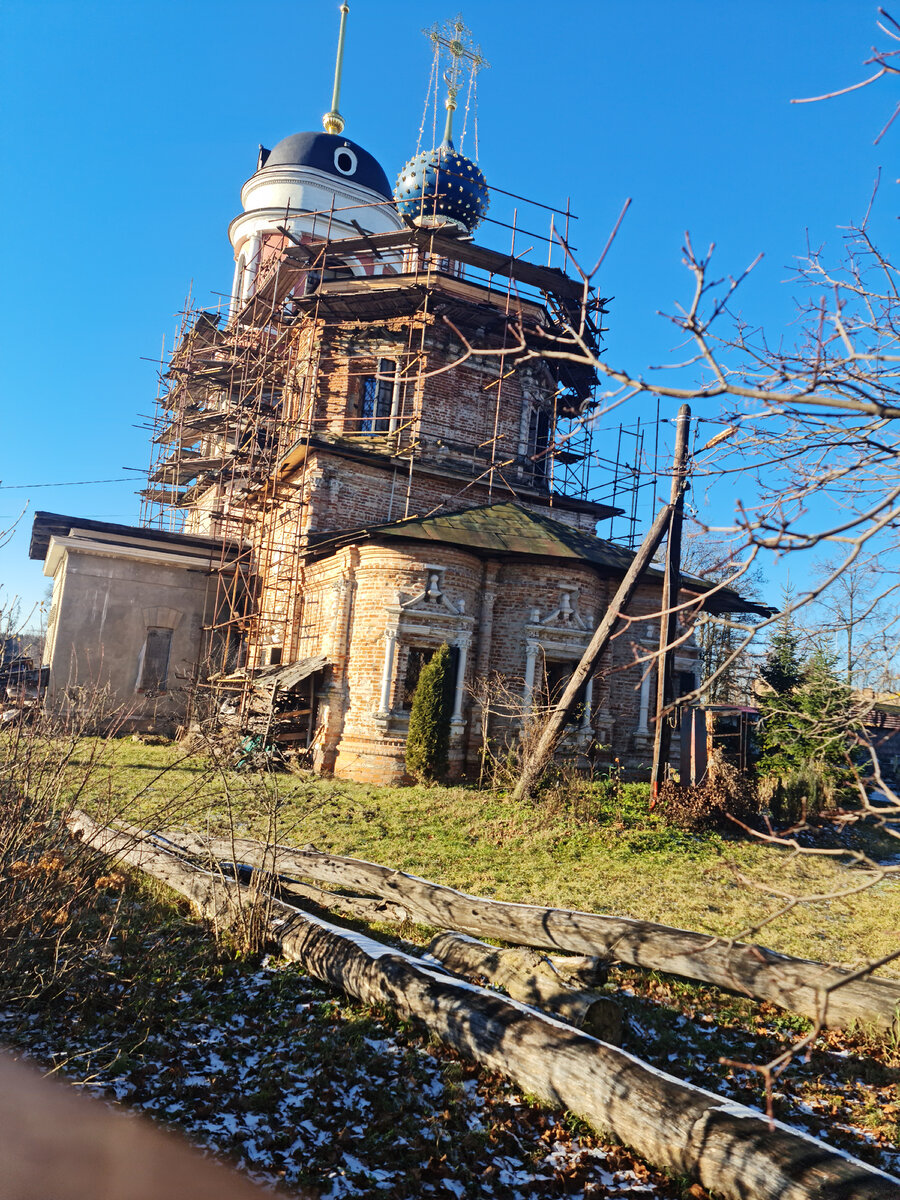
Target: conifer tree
807	733
428	741
784	667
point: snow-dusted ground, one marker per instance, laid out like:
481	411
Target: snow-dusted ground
268	1068
273	1070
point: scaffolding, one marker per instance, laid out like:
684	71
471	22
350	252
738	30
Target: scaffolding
248	393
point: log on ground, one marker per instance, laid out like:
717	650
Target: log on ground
530	977
730	1148
218	854
814	989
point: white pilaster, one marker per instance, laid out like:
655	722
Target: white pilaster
643	725
532	646
462	644
395	402
237	285
252	269
390	647
588	702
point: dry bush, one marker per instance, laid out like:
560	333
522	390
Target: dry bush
803	794
510	733
61	904
725	792
57	898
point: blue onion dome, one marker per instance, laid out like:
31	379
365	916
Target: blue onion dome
331	153
441	187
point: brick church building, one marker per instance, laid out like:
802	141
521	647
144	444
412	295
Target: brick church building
377	449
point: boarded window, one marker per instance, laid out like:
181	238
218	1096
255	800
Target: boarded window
155	660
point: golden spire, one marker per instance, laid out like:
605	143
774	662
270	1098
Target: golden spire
333	121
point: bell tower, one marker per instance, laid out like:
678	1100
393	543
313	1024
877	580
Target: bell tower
310	185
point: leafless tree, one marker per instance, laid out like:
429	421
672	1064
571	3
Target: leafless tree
859	615
727	673
811	428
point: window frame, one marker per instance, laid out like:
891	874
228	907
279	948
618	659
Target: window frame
406	693
158	682
380	386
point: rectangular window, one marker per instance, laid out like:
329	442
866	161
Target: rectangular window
416	658
154	669
375	396
557	677
538	445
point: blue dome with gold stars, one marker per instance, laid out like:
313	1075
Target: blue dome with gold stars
442	187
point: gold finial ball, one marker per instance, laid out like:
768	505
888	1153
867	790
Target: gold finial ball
333	122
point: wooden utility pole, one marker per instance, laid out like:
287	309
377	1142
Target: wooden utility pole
552	731
668	620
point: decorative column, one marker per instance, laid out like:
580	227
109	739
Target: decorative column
532	646
394	420
486	620
252	268
484	641
588	702
390	647
238	284
642	733
643	725
462	644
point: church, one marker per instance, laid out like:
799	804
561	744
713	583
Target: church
380	445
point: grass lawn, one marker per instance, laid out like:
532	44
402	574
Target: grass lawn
137	1002
600	849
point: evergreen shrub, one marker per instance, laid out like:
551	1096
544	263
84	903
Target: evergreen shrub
808	734
428	742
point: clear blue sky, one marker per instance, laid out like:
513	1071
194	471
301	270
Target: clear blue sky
128	130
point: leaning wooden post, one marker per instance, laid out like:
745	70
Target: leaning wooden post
668	619
552	731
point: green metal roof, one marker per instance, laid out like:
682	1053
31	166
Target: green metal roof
498	530
509	528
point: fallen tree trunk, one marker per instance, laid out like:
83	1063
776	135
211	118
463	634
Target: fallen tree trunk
531	978
814	989
728	1147
583	970
219	852
358	908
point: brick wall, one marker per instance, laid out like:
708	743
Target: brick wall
353	598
